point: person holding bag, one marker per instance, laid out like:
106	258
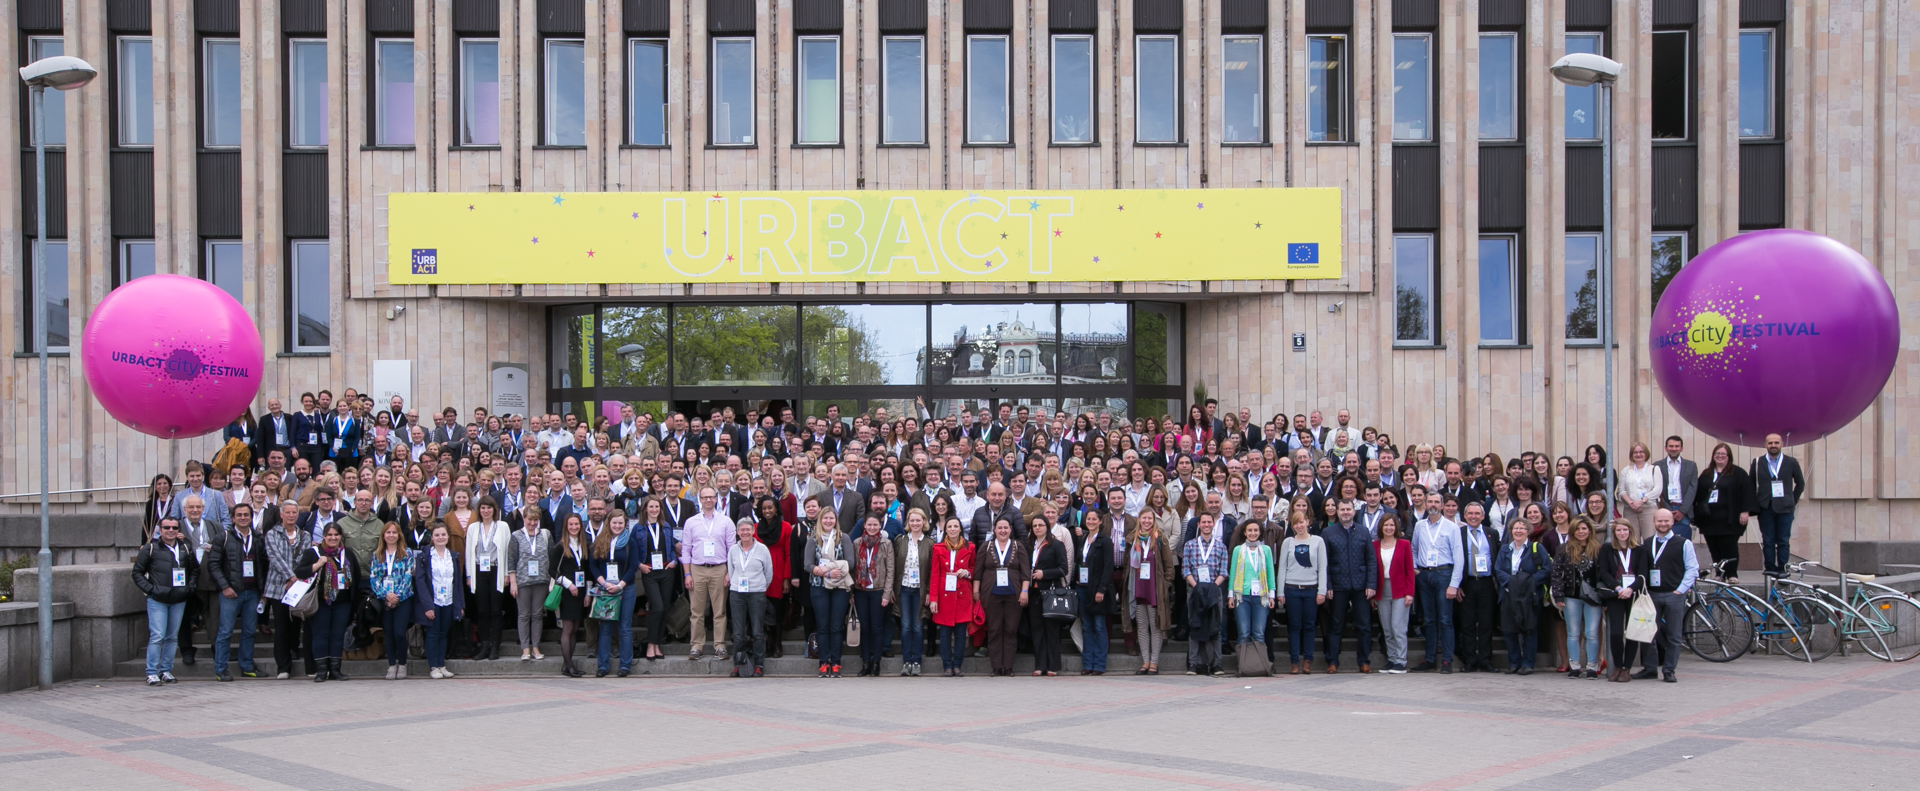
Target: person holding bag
872	590
1250	594
572	563
1622	573
1580	597
616	565
286	542
1047	561
336	571
828	558
527	579
390	569
1093	581
951	601
439	595
1521	568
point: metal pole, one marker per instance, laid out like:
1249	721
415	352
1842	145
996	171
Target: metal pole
1606	283
40	327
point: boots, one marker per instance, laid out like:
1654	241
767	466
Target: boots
493	649
334	669
322	674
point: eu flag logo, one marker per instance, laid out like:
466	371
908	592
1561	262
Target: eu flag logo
1303	253
426	261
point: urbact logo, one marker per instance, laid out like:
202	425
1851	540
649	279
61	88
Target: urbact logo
180	365
426	260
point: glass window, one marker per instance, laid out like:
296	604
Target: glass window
1094	348
1157	338
1499	290
1671	71
1583	104
863	344
573	350
635	352
1413	306
647	106
1242	89
987	90
1072	89
40	47
566	93
1156	73
136	260
220	92
480	92
1326	89
393	92
222	267
1583	287
732	116
307	93
1412	86
311	303
733	345
903	90
134	88
971	343
1669	254
819	89
1756	83
55	293
1499	86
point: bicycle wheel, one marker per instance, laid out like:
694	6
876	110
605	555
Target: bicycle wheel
1816	622
1897	619
1716	631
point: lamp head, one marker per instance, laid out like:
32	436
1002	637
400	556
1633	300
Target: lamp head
60	72
1581	69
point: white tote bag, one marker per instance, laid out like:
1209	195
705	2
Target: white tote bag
1643	622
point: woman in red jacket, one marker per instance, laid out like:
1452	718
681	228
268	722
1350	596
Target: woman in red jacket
951	599
1395	589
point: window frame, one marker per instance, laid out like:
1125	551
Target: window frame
379	92
206	94
1569	290
33	44
800	116
1513	88
634	43
462	105
35	337
1006	74
1427	111
1599	106
294	295
886	92
1260	87
1053	89
208	272
713	89
1686	88
1340	117
1772	88
1179	116
1686	248
291	99
548	107
1431	286
121	81
1514	300
122	262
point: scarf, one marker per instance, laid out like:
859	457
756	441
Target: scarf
336	564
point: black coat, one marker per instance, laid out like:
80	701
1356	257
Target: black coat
1607	573
1734	492
1099	565
153	572
1052	564
225	558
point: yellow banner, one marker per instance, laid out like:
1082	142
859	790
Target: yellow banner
948	235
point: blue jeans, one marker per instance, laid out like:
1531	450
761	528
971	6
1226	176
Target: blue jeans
953	646
913	635
1250	617
1436	613
1093	632
244	604
163	631
1522	648
873	626
435	630
393	630
1303	609
623	629
1583	621
1776	536
830	611
330	626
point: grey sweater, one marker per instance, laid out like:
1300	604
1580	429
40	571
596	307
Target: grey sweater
1292	573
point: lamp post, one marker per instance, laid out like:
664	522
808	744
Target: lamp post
61	73
1579	70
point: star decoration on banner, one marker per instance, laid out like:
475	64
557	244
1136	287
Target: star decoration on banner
1156	234
636	215
1256	226
973	198
716	194
1199	205
1056	232
589	253
1033	205
1122	208
536	240
469	207
729	258
557	199
1003	236
1096	259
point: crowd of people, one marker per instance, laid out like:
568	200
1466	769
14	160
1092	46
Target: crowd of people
988	534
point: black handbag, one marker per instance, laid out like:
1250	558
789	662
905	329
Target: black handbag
1059	604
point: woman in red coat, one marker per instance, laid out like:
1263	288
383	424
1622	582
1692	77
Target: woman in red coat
951	599
776	532
1395	587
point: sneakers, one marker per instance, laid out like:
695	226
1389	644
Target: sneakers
1574	673
1396	669
249	674
167	676
1446	667
282	676
390	673
825	669
222	676
399	672
836	671
435	673
153	681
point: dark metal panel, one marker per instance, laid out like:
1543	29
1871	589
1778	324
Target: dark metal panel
730	16
1503	14
1503	187
130	16
1416	188
1589	14
219	187
303	17
1675	13
390	17
817	16
1763	12
1329	15
476	17
1676	193
1165	15
1586	188
40	16
1243	16
1073	16
56	195
1416	14
1763	185
561	17
132	199
646	17
304	185
903	16
987	14
217	17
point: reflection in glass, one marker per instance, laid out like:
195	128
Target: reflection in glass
572	349
1499	86
1412	87
136	259
863	344
393	93
1157	81
56	101
980	344
1497	302
1669	254
732	109
222	267
55	292
1326	89
480	92
634	353
733	345
987	89
1072	89
1157	341
1583	287
1240	86
1756	83
819	89
566	110
1583	104
648	109
1093	347
135	87
220	117
311	302
902	90
1413	288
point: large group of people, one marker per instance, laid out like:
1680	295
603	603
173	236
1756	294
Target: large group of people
993	533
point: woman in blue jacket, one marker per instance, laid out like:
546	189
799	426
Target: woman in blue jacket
616	567
658	553
439	595
1521	569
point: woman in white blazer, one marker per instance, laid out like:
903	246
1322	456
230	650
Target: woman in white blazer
488	538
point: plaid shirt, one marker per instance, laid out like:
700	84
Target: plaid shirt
1205	560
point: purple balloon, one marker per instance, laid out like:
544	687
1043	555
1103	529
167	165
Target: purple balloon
172	356
1775	332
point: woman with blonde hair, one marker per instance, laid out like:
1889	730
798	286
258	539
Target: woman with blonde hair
828	559
1147	593
1638	490
1573	566
1622	574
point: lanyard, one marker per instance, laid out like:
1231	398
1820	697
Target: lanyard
1626	562
246	545
1086	550
175	549
1773	464
1001	551
1659	546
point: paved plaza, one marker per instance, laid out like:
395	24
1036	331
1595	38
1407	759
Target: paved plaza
1757	723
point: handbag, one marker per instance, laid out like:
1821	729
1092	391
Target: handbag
1591	595
853	630
1253	660
605	608
302	599
1058	604
1643	622
553	597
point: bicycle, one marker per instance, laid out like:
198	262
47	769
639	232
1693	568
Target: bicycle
1850	625
1875	611
1772	626
1718	627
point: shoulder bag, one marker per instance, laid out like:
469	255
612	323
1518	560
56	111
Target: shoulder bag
303	598
1059	604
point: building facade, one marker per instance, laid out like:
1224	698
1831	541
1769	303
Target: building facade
255	144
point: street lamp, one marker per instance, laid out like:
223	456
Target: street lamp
61	73
1579	70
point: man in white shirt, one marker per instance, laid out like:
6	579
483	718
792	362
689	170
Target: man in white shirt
1679	478
966	502
749	571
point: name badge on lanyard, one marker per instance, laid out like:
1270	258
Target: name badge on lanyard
1479	562
579	579
533	568
613	574
659	561
1779	488
1146	566
1000	578
340	580
246	568
1257	590
313	438
179	577
953	582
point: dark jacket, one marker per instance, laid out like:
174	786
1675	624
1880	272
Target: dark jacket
853	508
1052	564
1763	499
225	558
357	584
423	585
1720	500
625	560
981	530
1535	566
1351	563
263	437
1607	572
642	541
1098	562
309	432
153	572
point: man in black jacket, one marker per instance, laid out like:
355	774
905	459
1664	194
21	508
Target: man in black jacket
237	562
1777	486
164	570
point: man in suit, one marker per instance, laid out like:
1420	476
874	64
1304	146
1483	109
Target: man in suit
1254	438
629	425
674	508
847	505
448	432
1777	486
1212	410
1475	610
309	432
343	436
556	503
397	412
1678	479
275	433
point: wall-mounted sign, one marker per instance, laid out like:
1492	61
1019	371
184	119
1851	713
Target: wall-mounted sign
1299	341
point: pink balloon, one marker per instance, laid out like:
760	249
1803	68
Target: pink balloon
172	356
